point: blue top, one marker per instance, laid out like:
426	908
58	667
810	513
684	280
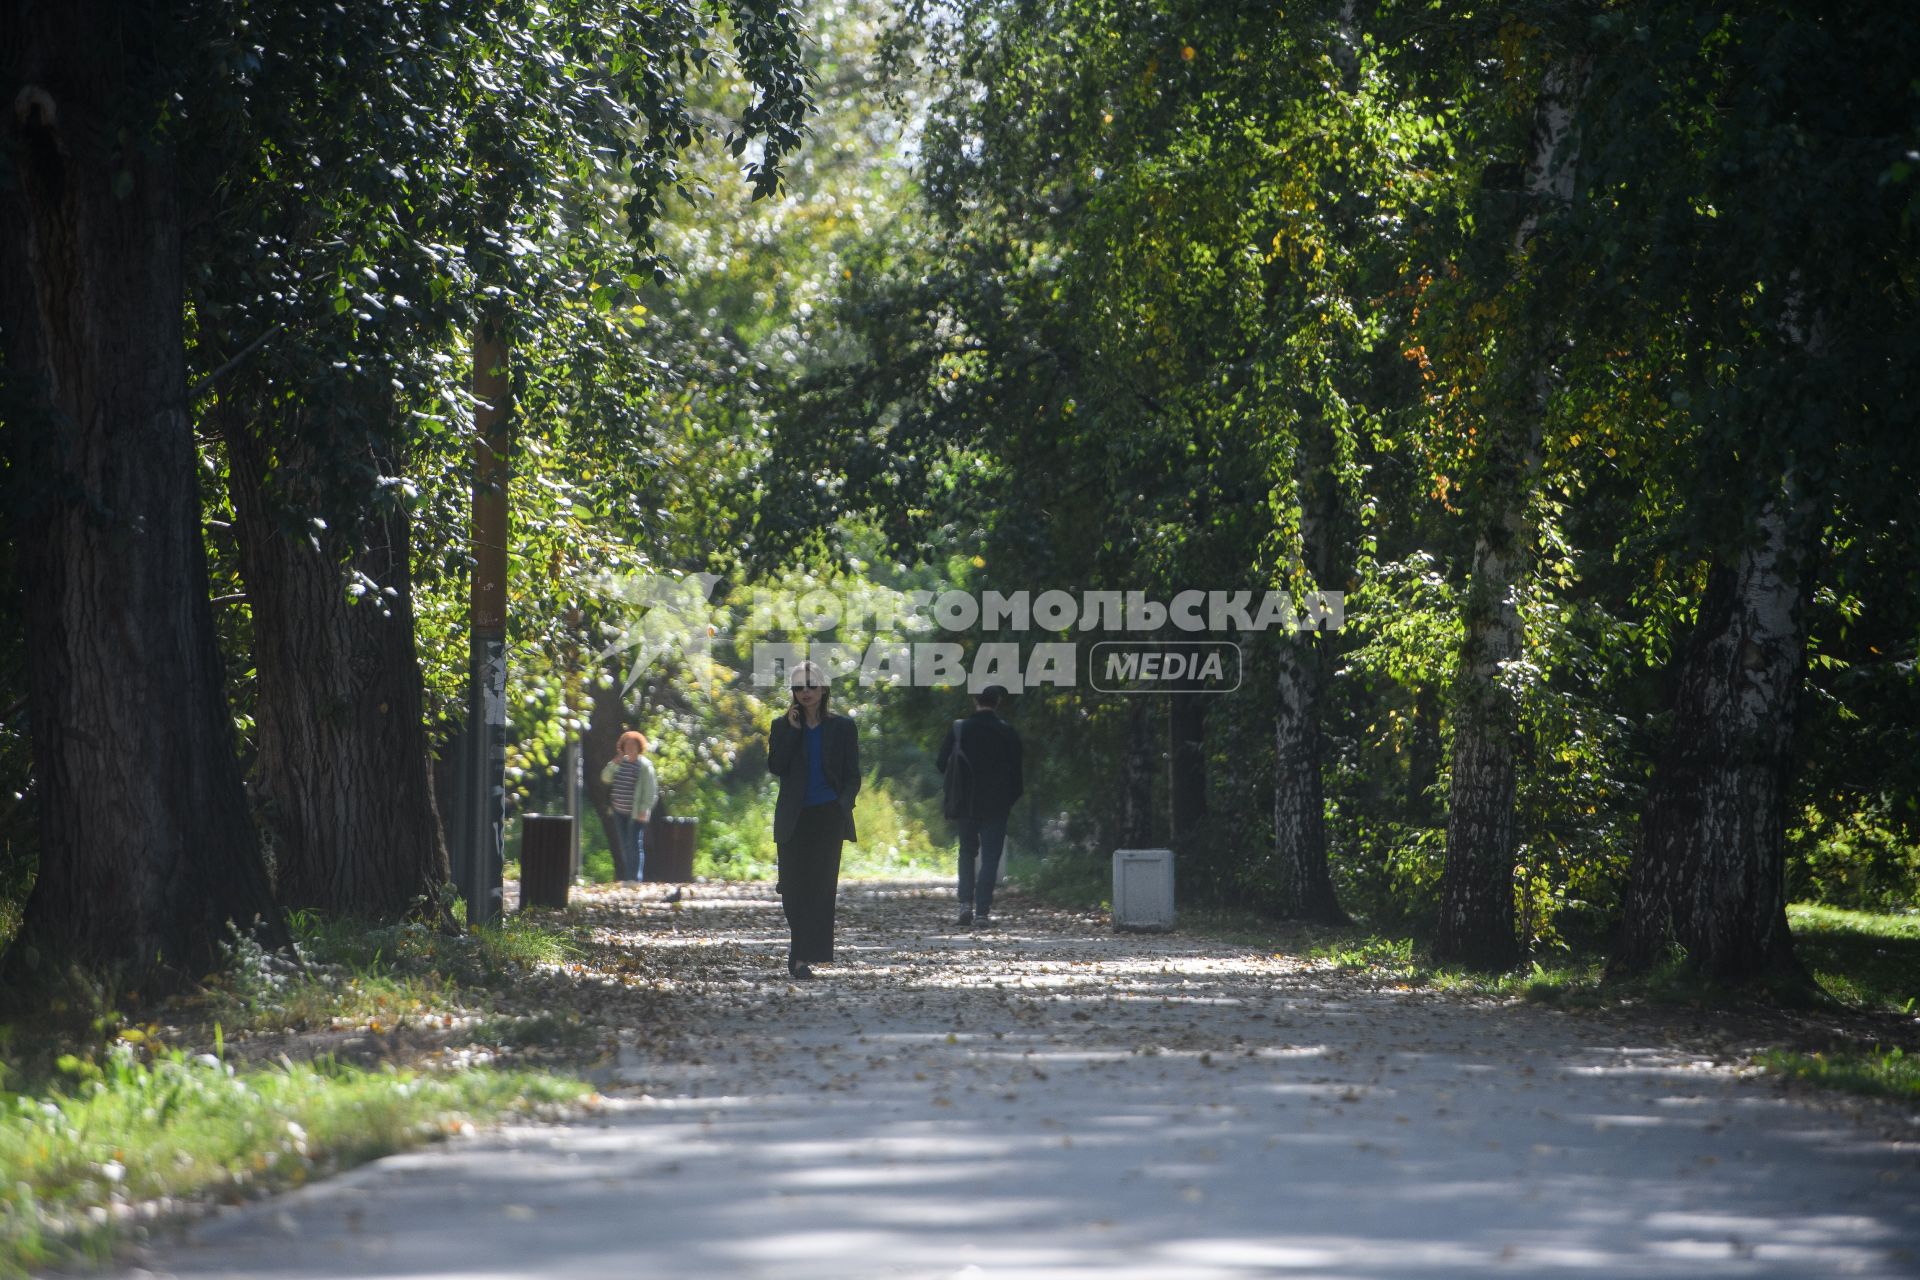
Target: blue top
819	790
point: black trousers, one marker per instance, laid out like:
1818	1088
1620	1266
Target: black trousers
809	877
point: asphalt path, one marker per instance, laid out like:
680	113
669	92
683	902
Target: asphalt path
1051	1100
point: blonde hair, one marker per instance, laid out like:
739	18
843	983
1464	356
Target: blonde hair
810	674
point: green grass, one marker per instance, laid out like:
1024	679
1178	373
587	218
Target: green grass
176	1130
1886	1073
1570	980
1867	959
348	970
1871	962
535	1030
110	1120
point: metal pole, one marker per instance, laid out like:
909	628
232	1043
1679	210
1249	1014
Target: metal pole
460	810
572	768
487	689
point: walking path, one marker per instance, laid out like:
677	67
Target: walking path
1052	1100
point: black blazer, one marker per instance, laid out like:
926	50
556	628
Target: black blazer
994	753
787	761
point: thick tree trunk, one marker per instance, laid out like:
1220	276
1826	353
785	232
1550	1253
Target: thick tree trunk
1136	828
1187	767
147	852
1476	925
1709	874
343	770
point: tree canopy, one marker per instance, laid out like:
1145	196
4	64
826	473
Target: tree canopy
1569	342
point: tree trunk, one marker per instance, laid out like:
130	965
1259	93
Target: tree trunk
147	852
1136	831
1302	883
1476	889
1423	756
1476	925
1187	771
1709	876
343	764
605	723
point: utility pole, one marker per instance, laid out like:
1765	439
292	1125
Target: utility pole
483	855
573	762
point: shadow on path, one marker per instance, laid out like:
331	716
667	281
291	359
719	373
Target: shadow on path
1051	1101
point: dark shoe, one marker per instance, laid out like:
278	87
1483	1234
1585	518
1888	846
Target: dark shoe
982	920
964	918
801	971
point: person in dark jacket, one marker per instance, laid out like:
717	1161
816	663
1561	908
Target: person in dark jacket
987	753
816	756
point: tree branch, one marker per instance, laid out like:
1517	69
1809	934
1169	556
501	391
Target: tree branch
200	388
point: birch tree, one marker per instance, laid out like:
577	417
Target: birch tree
1476	924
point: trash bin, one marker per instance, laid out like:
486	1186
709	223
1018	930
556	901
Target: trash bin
546	860
1143	890
670	844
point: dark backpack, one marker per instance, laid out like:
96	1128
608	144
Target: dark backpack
958	801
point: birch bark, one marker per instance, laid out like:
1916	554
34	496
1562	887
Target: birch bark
1476	925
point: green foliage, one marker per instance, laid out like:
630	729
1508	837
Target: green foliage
901	833
121	1130
596	855
736	833
1090	294
1887	1073
1864	859
1256	296
1065	878
13	898
659	463
1391	957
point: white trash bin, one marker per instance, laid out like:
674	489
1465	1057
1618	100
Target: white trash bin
1143	890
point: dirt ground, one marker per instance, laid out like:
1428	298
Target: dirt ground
1051	1099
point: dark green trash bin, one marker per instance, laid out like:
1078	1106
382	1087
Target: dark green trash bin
670	843
546	860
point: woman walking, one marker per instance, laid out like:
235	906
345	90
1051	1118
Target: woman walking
816	756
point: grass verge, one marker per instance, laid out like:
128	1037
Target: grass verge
1867	959
124	1142
1885	1073
363	1040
